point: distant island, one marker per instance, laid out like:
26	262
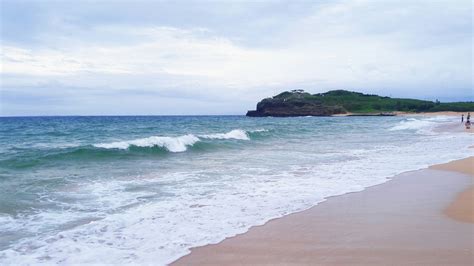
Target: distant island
301	103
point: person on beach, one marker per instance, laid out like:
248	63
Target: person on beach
462	118
468	123
468	118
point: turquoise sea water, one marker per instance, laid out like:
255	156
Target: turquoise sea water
127	190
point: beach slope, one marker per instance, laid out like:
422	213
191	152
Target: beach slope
404	221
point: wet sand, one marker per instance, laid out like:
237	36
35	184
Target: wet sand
408	220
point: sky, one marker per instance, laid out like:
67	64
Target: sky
222	57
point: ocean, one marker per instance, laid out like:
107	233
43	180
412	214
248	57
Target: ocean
145	189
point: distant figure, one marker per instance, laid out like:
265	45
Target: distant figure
468	117
462	118
468	124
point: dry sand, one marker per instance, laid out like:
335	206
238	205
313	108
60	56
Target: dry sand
465	166
462	208
399	113
447	113
400	222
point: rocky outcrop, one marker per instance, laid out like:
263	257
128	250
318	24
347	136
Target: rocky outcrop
294	103
335	102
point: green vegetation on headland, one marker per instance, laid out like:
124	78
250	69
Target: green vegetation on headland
300	103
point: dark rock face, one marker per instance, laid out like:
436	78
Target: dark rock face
295	103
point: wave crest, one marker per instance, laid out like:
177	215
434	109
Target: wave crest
422	125
175	144
233	134
172	144
412	124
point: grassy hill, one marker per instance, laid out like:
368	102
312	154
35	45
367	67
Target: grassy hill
356	102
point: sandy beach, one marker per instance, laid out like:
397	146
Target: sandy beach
428	114
423	217
462	208
444	113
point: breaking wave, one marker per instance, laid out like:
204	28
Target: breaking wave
421	125
154	145
234	134
412	124
177	144
172	144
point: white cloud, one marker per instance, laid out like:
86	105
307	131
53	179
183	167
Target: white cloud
382	46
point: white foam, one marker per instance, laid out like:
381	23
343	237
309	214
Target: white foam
175	144
258	130
202	209
60	145
421	124
172	144
233	134
412	124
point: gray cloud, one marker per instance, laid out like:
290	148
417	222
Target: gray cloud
208	58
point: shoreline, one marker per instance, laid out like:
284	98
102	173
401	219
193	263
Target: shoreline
444	113
355	228
462	207
400	113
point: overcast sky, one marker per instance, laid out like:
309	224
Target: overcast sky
221	57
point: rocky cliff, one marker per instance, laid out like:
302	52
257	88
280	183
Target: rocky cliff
294	103
300	103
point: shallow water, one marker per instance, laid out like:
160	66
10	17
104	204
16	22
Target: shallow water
146	189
